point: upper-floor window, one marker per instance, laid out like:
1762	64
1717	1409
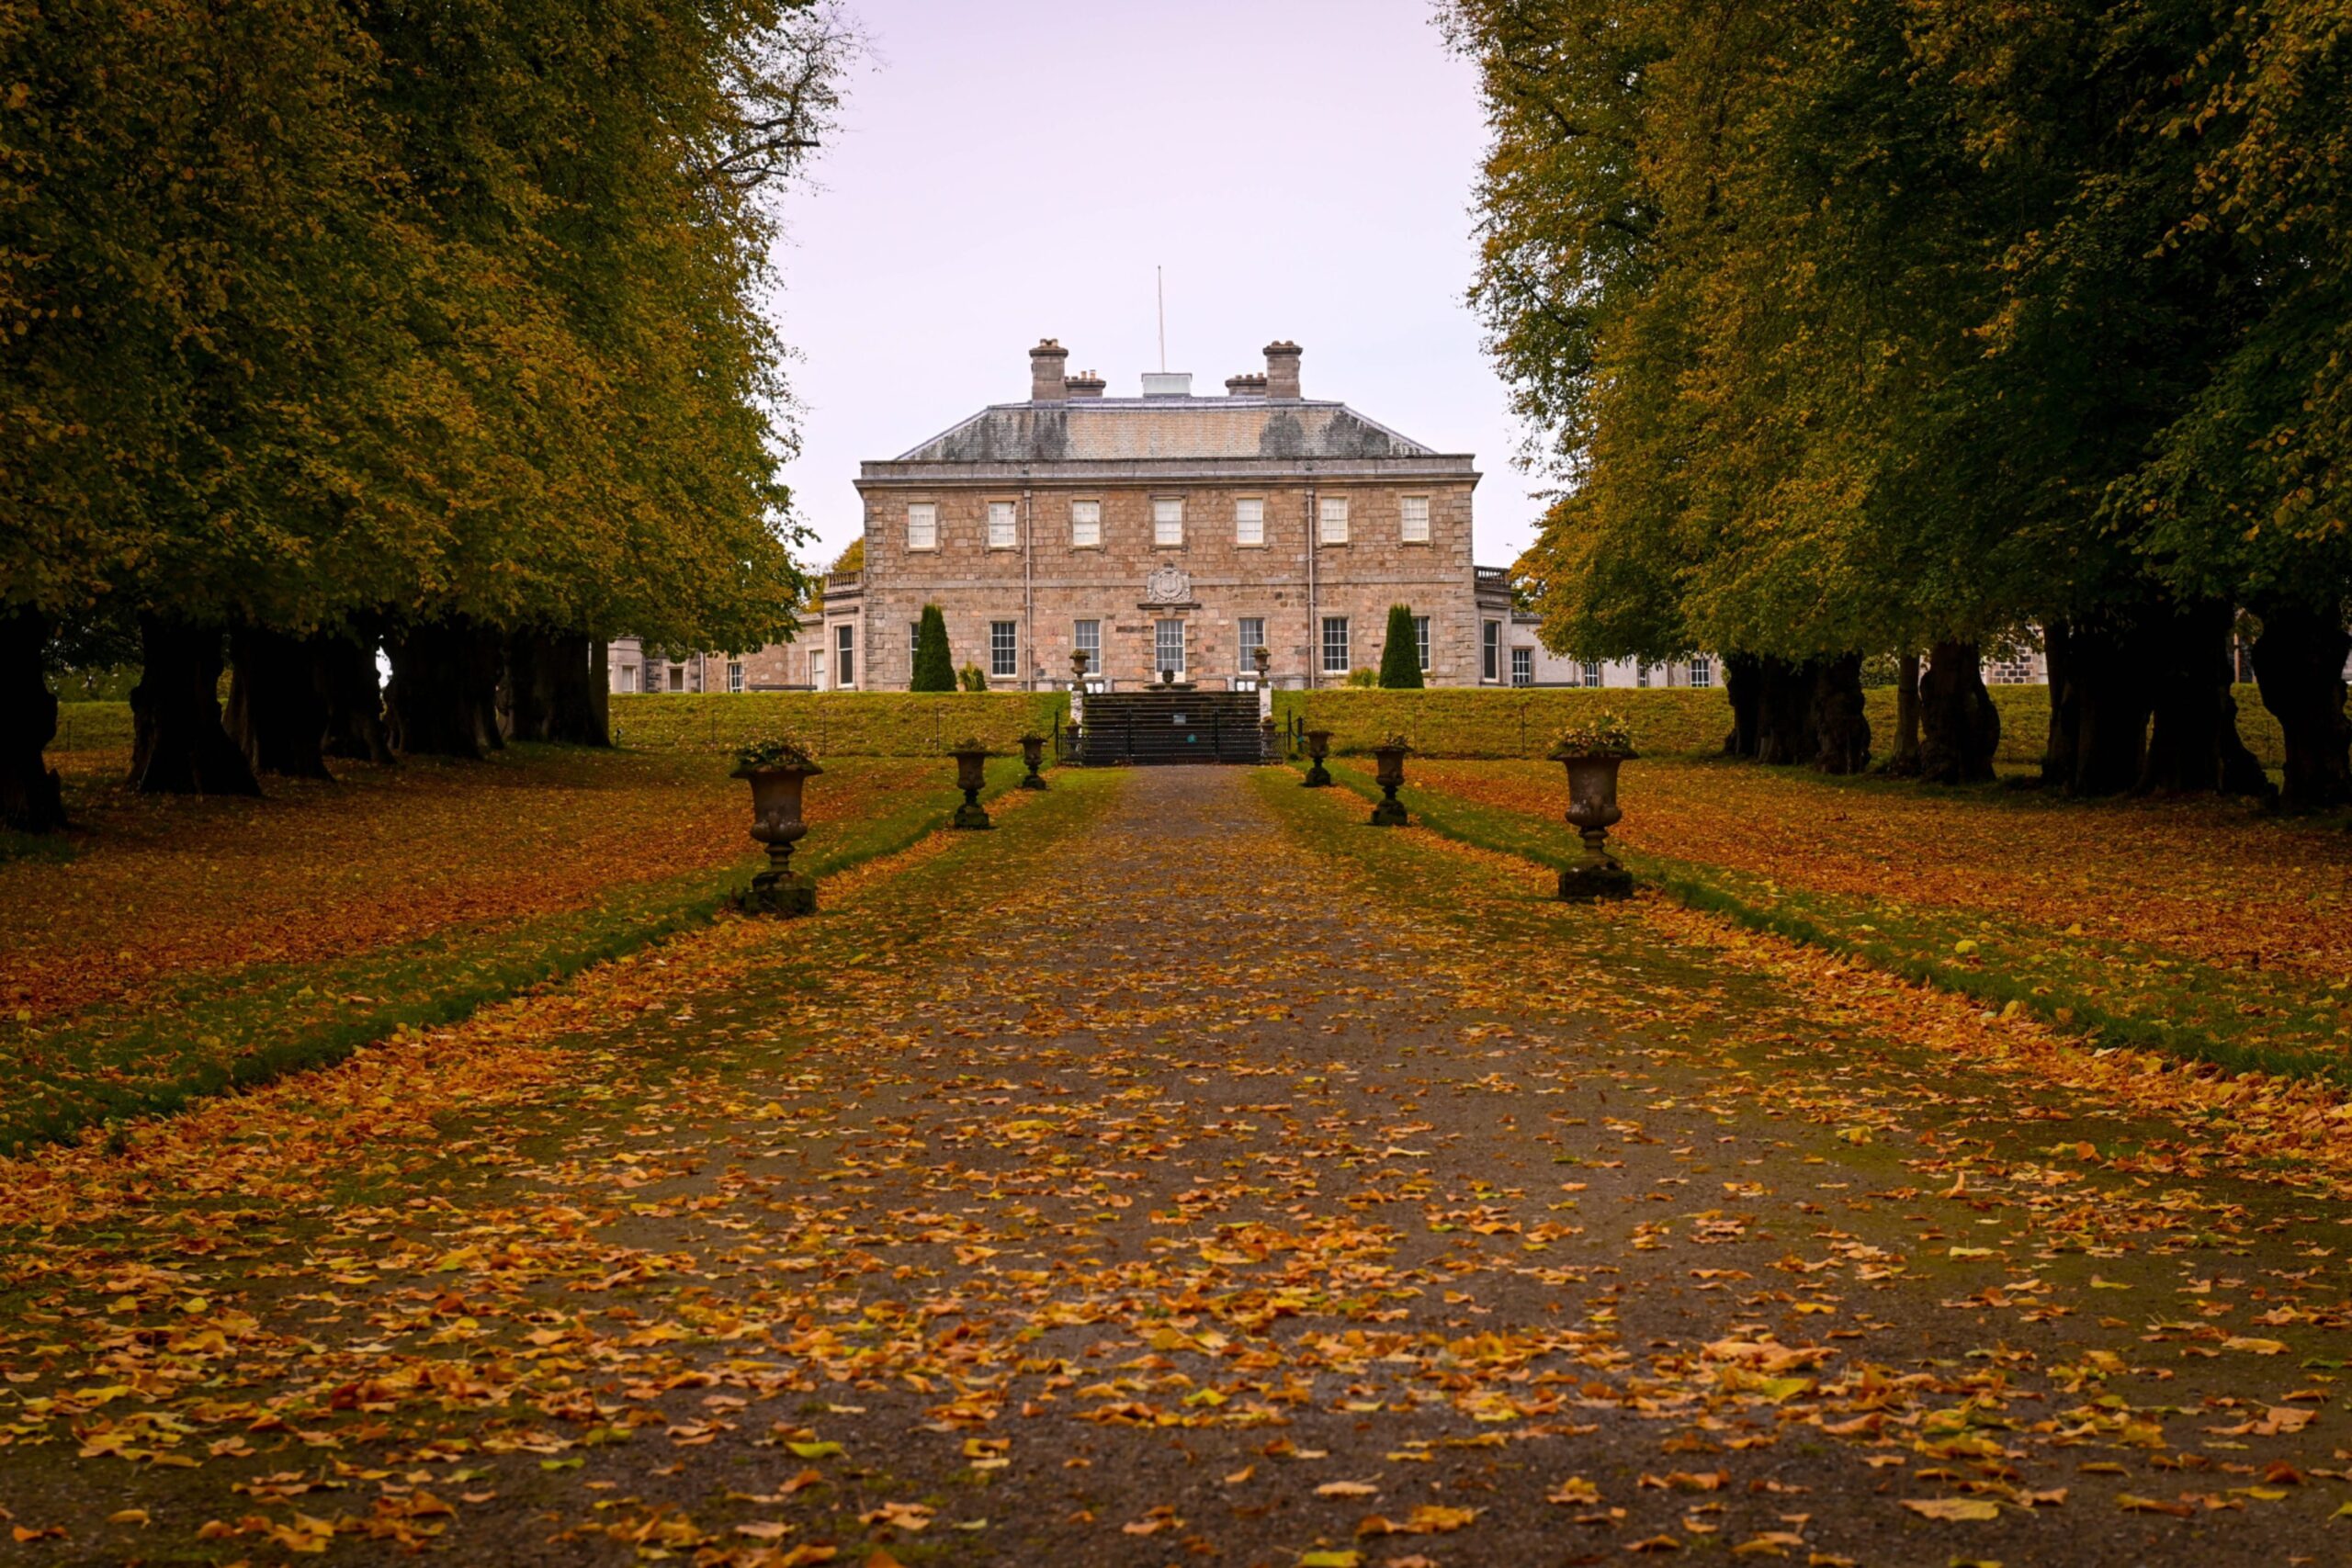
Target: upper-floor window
922	525
1085	524
1416	520
1166	520
1004	532
1422	638
1249	521
1334	515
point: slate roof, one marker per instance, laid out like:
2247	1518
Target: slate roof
1125	429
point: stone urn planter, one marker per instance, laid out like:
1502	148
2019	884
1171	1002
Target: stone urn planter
776	788
1078	663
971	775
1389	773
1264	659
1592	810
1033	756
1318	746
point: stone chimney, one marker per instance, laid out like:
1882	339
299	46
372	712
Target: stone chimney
1085	384
1281	369
1046	382
1245	385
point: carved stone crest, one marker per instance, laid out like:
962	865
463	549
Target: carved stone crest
1168	585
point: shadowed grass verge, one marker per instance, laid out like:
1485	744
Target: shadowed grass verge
215	1034
2120	994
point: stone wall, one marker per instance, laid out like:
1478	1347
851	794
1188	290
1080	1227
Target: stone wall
1044	583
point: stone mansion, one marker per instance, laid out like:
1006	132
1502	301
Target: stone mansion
1164	532
1160	532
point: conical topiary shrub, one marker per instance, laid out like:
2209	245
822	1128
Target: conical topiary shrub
934	666
1400	656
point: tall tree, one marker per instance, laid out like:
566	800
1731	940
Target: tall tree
1400	652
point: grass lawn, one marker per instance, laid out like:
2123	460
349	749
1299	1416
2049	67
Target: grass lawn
2205	928
169	949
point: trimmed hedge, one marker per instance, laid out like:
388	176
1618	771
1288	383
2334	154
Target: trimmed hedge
1492	721
836	723
1453	721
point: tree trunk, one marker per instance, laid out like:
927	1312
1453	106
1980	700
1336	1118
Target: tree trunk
443	699
1785	732
1744	689
1960	728
526	692
354	699
1841	729
277	703
32	796
177	744
2102	693
579	686
2299	664
2195	747
1904	763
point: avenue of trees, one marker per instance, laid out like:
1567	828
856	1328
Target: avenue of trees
1916	330
327	327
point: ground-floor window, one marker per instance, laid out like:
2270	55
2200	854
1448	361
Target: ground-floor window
1087	637
628	677
1490	643
1641	674
845	654
816	669
1004	648
1422	638
1253	637
677	676
1592	671
1168	645
1522	667
734	675
1703	673
1335	645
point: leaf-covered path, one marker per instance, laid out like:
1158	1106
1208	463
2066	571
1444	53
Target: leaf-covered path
1187	1173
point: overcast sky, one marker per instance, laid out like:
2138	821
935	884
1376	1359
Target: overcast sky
1014	169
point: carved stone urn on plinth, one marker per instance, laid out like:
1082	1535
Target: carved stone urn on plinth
1389	773
1033	756
1318	745
776	822
1592	810
971	775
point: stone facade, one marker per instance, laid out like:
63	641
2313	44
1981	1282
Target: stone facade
1034	524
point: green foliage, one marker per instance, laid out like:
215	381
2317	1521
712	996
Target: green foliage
785	751
972	678
1364	680
1866	328
1603	733
1400	652
935	665
835	724
313	313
